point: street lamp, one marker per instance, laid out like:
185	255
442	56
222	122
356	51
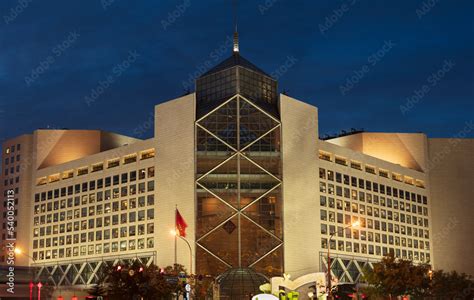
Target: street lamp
21	252
175	233
356	224
18	251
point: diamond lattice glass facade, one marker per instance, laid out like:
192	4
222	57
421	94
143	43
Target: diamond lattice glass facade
238	181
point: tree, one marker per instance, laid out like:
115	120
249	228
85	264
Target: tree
134	281
175	271
451	285
397	277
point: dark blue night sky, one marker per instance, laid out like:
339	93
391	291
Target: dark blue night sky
395	66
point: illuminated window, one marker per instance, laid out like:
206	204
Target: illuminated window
141	174
324	156
68	174
383	173
397	177
97	167
150	243
54	178
130	159
113	163
419	183
356	165
82	171
114	246
147	154
330	175
123	245
141	244
324	243
341	161
322	187
370	169
42	181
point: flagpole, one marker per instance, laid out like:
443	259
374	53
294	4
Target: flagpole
175	236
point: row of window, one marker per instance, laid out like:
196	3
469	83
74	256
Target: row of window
403	218
98	249
99	196
11	149
92	223
370	169
92	185
356	247
112	163
114	233
396	207
385	227
12	169
90	211
364	235
12	159
367	185
11	181
387	216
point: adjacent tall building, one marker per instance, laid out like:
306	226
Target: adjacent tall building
257	187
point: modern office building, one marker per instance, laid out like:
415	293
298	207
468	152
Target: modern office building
256	185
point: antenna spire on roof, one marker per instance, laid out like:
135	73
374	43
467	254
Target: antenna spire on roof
236	33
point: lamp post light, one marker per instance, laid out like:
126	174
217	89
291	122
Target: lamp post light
174	233
39	285
329	289
18	251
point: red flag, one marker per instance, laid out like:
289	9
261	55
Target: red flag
180	224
